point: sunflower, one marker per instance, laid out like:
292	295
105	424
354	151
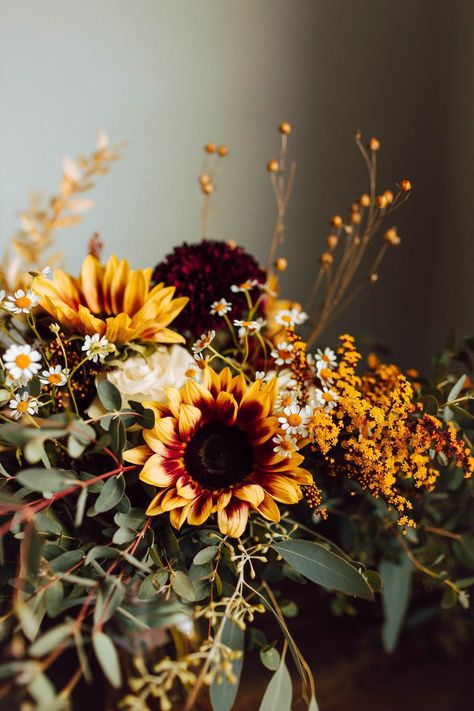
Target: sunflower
212	450
112	301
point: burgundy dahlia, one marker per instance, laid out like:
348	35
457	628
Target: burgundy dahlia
205	272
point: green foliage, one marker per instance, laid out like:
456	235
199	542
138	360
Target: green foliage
323	567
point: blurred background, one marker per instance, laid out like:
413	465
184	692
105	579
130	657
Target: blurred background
169	76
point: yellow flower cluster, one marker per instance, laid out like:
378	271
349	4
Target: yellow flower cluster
378	436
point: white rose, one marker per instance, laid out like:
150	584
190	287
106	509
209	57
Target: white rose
140	378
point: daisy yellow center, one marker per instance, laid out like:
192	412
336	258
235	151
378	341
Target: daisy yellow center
190	373
218	456
22	406
23	302
286	319
23	361
294	420
328	397
54	378
285	445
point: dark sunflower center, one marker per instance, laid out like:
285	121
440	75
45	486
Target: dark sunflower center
218	456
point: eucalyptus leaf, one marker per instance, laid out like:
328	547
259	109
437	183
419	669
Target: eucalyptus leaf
396	578
44	479
183	586
53	598
223	694
270	657
324	567
107	657
205	555
279	691
51	639
80	507
112	492
109	395
66	561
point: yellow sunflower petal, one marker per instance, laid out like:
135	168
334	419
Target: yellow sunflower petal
269	509
253	493
138	455
173	396
91	280
281	488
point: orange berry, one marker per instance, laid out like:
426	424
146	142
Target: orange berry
364	200
285	128
209	148
405	186
207	188
374	144
336	221
223	151
281	264
326	258
332	241
381	201
273	166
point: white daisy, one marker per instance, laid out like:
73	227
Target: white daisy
285	446
55	376
97	347
283	353
203	341
293	317
260	375
221	307
325	359
22	404
286	398
22	362
295	419
325	398
22	301
246	285
248	327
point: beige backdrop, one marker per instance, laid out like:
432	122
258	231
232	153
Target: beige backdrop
170	75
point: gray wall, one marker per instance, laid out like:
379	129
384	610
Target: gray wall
168	76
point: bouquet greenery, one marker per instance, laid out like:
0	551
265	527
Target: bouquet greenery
179	452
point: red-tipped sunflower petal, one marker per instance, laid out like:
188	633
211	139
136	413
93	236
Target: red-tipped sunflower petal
200	509
233	519
178	516
165	429
189	419
225	377
226	408
171	500
154	507
174	400
263	431
154	473
195	394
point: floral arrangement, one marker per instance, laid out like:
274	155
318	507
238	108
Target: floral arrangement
177	443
